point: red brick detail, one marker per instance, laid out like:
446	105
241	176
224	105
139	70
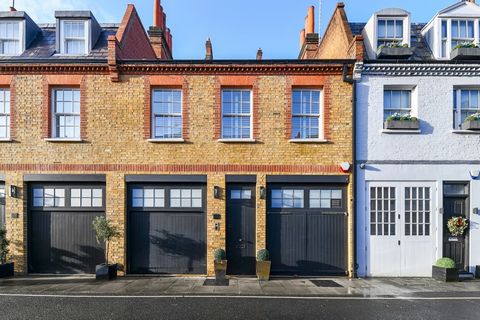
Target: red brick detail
5	80
327	102
13	114
308	81
166	81
288	109
185	168
133	41
46	110
236	81
59	81
255	110
147	110
185	110
83	109
217	112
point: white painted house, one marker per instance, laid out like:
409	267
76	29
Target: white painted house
412	180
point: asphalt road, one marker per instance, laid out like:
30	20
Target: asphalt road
27	307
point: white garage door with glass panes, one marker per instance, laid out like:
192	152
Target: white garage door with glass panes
401	223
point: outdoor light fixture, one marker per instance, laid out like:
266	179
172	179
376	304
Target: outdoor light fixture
14	191
216	192
262	193
345	166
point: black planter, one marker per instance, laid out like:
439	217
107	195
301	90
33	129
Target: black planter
106	272
444	274
477	272
7	270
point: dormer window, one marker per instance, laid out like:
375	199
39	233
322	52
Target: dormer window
10	41
389	31
462	31
73	35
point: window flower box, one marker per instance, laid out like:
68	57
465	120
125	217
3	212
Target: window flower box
472	123
464	53
400	52
398	121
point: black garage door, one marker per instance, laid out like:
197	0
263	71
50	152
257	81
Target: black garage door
166	229
307	229
60	234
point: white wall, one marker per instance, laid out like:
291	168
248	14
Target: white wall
435	112
434	150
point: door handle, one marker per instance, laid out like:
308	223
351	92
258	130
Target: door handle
398	242
240	240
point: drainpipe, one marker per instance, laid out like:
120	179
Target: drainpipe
353	82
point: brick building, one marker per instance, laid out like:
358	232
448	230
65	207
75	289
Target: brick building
183	156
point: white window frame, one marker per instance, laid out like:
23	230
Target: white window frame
3	113
449	48
154	115
250	114
413	98
86	37
321	116
457	107
21	38
387	39
54	115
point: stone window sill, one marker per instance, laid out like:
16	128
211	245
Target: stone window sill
465	131
63	140
237	140
389	131
308	141
6	140
173	140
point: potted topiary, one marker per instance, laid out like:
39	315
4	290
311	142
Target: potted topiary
263	265
6	269
105	232
220	265
394	50
398	121
445	270
466	51
472	122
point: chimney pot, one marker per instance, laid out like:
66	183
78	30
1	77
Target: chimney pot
208	50
310	21
472	1
13	9
302	38
259	54
157	14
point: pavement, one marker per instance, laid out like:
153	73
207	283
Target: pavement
239	286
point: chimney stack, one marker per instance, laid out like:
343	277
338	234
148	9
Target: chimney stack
259	54
472	1
160	36
208	50
310	21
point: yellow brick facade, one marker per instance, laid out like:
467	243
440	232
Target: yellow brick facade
115	136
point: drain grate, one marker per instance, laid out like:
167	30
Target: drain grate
326	284
216	283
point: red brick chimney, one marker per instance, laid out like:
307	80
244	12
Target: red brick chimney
160	35
310	21
208	50
302	38
259	54
309	40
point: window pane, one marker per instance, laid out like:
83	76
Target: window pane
381	29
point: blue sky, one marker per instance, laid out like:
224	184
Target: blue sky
237	27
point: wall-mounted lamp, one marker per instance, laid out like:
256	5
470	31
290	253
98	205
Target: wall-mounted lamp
363	166
475	174
216	192
14	192
263	193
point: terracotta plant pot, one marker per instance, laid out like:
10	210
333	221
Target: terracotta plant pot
220	270
263	270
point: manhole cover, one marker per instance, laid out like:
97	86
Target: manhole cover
216	283
326	283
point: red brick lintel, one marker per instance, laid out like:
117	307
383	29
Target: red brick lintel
184	168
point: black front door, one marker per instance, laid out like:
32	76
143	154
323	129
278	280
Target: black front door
241	229
455	247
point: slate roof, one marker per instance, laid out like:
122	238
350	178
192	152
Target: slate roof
43	47
417	41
